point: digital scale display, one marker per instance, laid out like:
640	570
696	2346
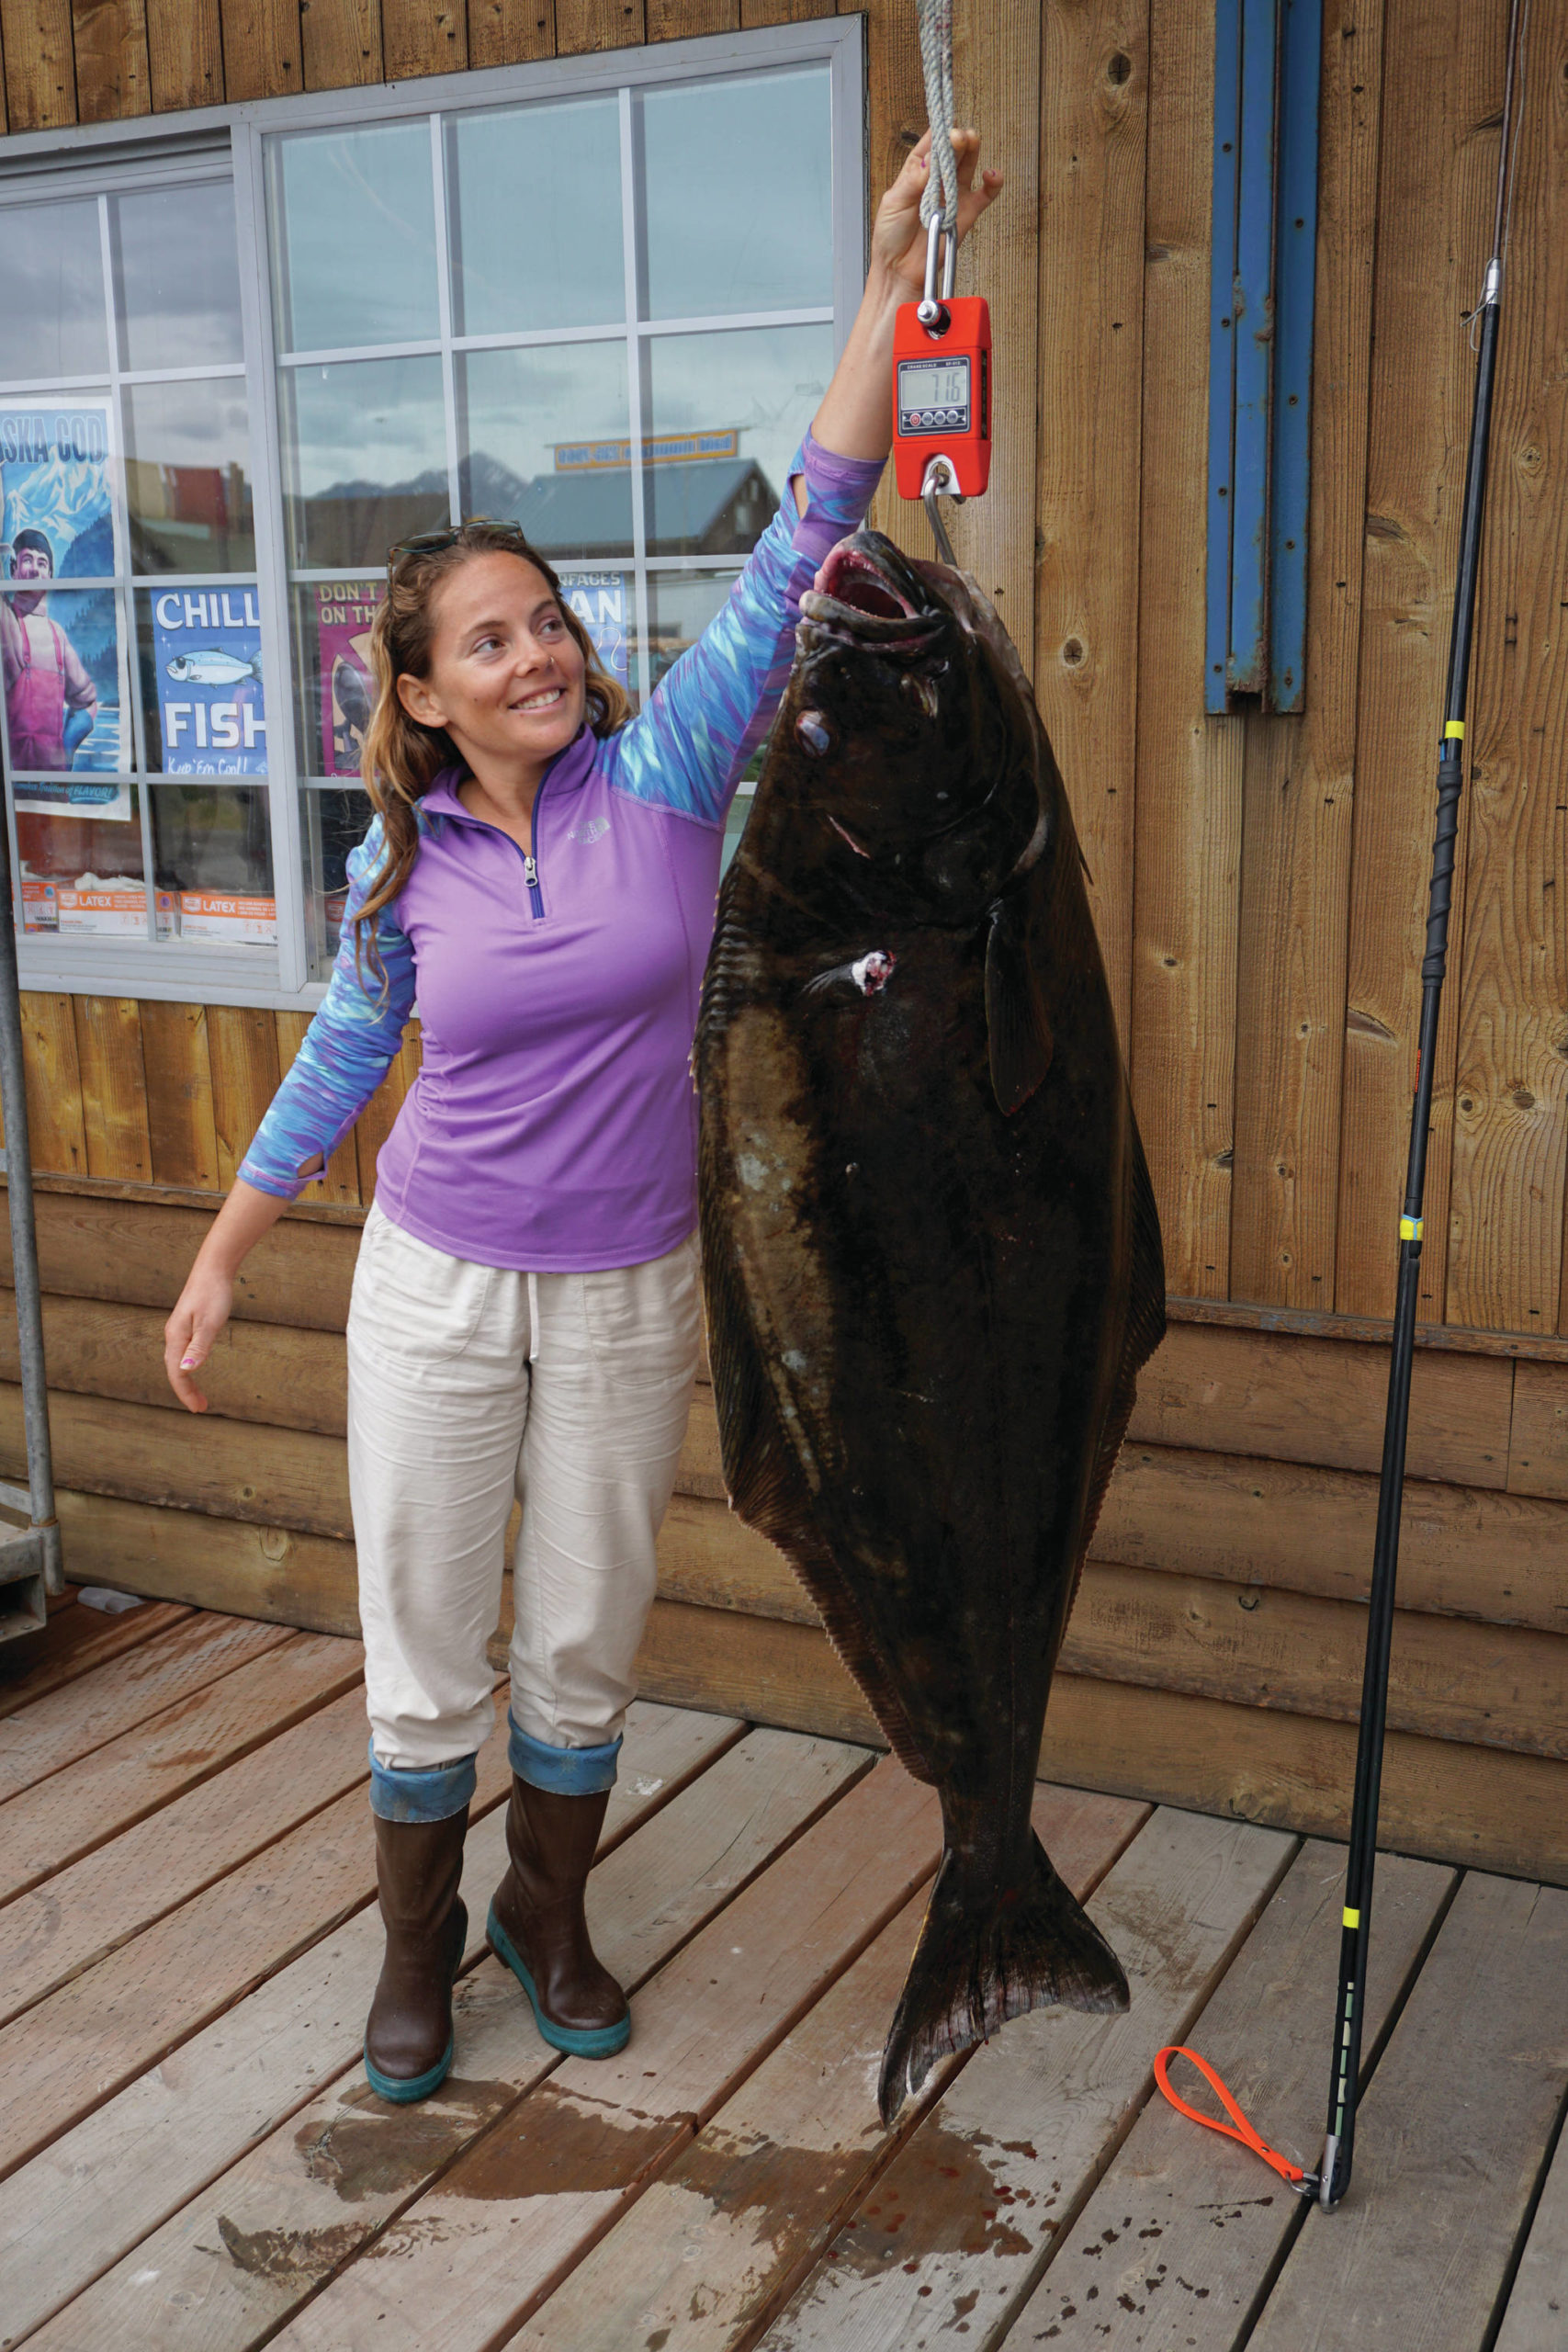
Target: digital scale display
933	396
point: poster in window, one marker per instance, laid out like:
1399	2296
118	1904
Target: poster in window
344	614
60	649
599	601
211	715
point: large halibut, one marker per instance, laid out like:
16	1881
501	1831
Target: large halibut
930	1250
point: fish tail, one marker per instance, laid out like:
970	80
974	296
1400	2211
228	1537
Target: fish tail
990	1951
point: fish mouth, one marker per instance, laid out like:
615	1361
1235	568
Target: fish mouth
857	601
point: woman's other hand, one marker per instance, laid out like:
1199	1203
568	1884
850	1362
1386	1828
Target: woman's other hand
205	1303
201	1312
898	238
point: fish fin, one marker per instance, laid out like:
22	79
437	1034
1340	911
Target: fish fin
1016	1029
987	1954
767	1491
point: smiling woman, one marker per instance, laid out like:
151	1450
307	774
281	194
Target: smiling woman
524	1322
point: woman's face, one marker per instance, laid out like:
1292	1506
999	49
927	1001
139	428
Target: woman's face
506	674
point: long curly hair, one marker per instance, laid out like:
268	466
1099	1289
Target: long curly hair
402	758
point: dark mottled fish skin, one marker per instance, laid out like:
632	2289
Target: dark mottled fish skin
930	1252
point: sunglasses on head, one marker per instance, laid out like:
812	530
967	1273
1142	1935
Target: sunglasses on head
431	542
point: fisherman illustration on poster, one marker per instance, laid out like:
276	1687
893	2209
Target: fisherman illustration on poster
60	648
212	716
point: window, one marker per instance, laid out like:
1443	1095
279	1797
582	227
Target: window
231	375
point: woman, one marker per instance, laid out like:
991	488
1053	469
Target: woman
525	1318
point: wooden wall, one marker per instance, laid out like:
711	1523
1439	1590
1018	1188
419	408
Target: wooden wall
1259	884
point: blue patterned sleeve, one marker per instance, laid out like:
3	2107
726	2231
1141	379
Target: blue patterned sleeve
688	748
345	1052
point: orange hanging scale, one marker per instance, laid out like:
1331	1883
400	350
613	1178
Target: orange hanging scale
942	388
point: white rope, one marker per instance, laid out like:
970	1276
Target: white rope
935	20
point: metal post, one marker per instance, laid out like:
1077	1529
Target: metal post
38	1552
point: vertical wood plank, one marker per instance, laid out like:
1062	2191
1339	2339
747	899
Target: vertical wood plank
585	25
1189	776
179	1095
1510	1136
56	1141
1093	143
1299	805
113	77
40	72
376	1122
1436	177
341	42
242	1045
114	1088
509	32
677	19
5	113
896	115
261	53
996	83
341	1181
185	44
423	37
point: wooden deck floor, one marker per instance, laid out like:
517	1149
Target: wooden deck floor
190	2159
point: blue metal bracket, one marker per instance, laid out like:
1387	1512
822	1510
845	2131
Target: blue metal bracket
1267	68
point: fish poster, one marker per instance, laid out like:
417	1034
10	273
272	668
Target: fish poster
344	614
63	662
210	712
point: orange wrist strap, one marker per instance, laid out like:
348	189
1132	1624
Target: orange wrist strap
1239	2129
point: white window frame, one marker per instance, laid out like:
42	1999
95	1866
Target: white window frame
221	141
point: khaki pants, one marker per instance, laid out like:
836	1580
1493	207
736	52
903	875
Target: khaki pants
468	1386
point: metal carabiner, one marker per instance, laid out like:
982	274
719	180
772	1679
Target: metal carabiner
941	481
932	312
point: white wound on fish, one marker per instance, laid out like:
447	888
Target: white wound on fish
872	973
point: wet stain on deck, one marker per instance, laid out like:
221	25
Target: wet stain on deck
290	2254
557	2146
782	2186
383	2150
943	2194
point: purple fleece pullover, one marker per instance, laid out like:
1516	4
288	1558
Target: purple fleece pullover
553	1124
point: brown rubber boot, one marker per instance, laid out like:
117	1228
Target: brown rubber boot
408	2040
537	1926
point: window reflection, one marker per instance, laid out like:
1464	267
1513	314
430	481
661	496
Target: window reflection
187	477
720	233
353	237
333	823
213	853
536	208
545	441
763	384
52	293
176	275
364	458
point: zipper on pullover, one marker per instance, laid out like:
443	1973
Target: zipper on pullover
531	875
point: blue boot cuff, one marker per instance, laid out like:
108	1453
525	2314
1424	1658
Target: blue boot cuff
403	1792
564	1772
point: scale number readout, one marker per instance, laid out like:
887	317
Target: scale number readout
933	396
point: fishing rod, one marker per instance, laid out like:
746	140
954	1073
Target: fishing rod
1328	2186
1351	2005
